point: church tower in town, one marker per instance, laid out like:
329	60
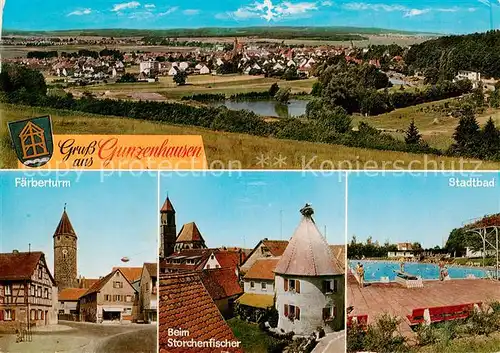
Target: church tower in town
168	229
65	254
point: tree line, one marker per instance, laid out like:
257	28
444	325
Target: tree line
323	122
363	89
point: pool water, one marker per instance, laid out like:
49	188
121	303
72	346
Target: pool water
375	270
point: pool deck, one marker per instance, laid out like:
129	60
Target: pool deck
378	298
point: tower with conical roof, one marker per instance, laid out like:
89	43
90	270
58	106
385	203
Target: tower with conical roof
65	253
309	282
168	229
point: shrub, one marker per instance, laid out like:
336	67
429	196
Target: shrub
383	336
426	334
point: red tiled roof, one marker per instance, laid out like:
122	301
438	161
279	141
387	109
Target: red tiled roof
96	287
276	247
86	283
308	253
64	227
262	269
71	294
189	233
201	258
227	258
186	304
221	283
132	274
167	206
20	265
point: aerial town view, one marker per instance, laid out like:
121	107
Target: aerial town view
78	269
243	269
423	265
309	84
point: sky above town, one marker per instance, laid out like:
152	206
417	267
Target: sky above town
113	219
437	16
421	208
243	208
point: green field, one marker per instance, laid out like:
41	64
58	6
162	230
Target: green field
231	150
196	84
252	338
437	129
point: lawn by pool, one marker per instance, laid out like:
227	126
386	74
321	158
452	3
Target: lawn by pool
375	270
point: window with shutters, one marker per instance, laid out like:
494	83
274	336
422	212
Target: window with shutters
330	286
292	285
7	314
329	313
8	289
292	312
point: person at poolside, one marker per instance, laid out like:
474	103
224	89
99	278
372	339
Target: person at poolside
441	268
402	266
361	274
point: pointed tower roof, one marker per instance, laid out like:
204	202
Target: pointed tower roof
308	253
189	233
64	227
167	206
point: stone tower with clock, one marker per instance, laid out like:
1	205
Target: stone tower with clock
65	252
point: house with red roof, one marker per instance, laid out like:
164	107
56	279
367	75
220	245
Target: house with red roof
309	282
68	303
112	298
264	249
258	283
224	288
189	320
28	292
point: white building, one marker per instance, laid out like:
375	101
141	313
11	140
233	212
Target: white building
404	250
172	71
470	253
474	77
470	75
204	70
309	282
150	68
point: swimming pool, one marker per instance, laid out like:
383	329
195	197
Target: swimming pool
375	270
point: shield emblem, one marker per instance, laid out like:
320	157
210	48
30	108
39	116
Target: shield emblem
33	140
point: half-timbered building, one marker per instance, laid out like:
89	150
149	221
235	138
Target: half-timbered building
28	292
